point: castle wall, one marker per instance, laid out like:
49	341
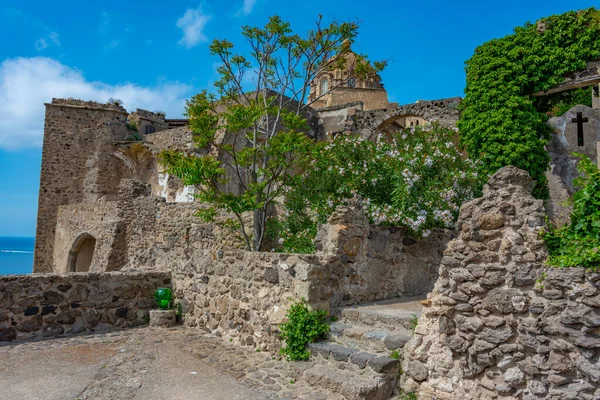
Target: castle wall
33	306
100	221
76	166
500	325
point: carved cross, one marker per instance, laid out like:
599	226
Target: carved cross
579	121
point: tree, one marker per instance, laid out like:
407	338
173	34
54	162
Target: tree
251	134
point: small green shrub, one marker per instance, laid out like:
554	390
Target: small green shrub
303	326
132	126
578	243
409	396
395	354
414	322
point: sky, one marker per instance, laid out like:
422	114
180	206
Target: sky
154	55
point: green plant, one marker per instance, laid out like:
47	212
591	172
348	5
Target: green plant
408	396
262	107
333	318
132	126
415	178
499	123
302	326
414	322
395	354
540	281
578	243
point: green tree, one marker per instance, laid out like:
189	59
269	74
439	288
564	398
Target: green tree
251	133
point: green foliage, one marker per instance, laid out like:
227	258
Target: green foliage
409	396
303	326
500	124
578	243
395	354
254	136
414	322
557	104
415	179
132	126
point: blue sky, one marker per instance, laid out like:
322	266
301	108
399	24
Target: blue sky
153	54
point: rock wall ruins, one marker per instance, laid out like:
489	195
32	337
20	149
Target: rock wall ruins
245	295
49	305
500	325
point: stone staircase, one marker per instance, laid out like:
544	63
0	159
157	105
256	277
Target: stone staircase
356	361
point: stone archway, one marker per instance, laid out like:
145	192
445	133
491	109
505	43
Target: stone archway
81	253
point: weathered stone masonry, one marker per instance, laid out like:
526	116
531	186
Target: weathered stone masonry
500	324
50	305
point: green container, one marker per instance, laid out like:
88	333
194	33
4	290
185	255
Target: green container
164	298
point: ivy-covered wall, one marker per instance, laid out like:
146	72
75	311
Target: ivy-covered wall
501	123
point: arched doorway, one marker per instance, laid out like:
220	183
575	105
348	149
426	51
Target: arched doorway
82	253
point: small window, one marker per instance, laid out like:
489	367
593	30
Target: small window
351	82
417	123
324	86
149	129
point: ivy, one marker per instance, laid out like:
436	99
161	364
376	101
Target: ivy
500	124
578	243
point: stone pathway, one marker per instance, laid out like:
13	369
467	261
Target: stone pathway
150	363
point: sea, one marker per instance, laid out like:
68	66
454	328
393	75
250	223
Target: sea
16	255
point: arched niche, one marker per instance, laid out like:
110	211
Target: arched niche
81	253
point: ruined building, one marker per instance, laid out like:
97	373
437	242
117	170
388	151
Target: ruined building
89	217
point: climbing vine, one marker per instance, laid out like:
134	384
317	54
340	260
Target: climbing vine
500	124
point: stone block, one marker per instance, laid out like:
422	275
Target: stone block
163	318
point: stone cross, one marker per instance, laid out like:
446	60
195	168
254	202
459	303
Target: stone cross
579	121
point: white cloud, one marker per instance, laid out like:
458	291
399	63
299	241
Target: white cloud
192	24
247	7
51	40
27	83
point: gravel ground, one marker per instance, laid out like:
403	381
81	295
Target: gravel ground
149	363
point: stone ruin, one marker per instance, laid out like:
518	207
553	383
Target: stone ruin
499	324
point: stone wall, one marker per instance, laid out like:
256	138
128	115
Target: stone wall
75	222
148	122
50	305
244	295
445	112
75	167
500	325
368	262
333	120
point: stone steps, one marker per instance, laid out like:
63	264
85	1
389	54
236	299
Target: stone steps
356	362
354	374
369	338
389	315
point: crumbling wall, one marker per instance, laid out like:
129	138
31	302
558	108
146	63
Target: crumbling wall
445	112
370	262
500	325
50	305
